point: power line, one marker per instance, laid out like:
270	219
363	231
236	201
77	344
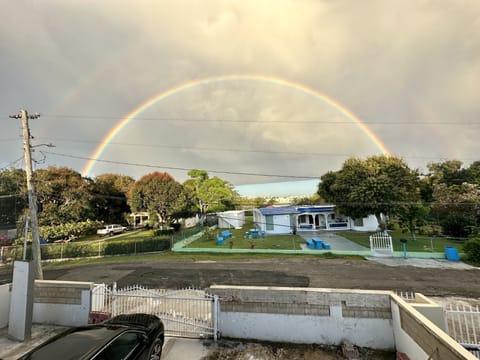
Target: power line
236	150
184	169
333	122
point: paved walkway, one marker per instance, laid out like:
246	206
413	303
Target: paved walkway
336	242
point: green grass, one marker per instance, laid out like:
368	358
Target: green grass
421	244
284	242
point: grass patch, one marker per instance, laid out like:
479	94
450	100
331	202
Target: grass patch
421	244
238	241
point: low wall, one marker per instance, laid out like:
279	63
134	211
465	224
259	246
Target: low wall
306	315
420	338
5	295
62	302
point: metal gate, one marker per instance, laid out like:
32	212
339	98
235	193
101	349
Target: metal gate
186	312
463	324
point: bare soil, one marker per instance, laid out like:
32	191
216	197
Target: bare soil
231	350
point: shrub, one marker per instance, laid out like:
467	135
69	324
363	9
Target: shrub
69	230
472	250
130	247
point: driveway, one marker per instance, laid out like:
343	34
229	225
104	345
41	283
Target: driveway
336	242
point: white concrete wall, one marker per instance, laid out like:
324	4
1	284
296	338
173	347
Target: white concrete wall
281	225
403	342
426	340
5	295
370	223
62	302
306	315
63	314
373	333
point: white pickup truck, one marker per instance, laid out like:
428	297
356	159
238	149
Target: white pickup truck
111	230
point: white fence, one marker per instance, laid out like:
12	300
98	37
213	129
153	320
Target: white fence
463	324
381	245
185	312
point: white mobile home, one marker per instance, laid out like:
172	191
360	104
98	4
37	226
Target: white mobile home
286	219
231	219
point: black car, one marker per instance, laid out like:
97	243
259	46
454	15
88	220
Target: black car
134	336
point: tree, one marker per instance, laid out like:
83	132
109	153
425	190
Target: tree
63	196
377	185
159	194
412	216
210	194
457	208
109	199
13	195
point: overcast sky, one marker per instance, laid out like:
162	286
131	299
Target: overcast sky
409	69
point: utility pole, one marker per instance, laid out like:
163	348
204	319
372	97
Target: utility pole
32	199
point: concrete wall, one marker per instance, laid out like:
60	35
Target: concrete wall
420	338
370	223
62	302
5	295
306	315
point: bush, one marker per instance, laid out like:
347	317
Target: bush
430	230
158	232
69	230
130	247
472	250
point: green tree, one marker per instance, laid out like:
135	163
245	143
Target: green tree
210	194
109	197
13	195
63	196
377	185
160	195
457	207
412	216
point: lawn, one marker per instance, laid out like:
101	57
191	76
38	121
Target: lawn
238	241
421	244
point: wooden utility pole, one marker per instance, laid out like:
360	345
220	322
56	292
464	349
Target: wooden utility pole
32	199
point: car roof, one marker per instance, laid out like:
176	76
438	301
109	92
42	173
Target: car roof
77	343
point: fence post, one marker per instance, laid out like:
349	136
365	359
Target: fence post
114	299
215	314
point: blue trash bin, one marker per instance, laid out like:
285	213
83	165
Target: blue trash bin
451	253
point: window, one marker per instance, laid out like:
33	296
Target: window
358	222
121	347
269	222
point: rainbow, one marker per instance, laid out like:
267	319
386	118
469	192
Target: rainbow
237	77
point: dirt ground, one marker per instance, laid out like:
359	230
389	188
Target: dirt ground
294	272
230	350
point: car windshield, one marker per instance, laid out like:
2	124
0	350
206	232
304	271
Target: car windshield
76	344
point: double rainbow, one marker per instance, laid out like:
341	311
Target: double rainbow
115	130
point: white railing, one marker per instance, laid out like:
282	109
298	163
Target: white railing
463	324
381	244
186	312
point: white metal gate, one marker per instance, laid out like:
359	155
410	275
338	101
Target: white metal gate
381	245
463	324
186	312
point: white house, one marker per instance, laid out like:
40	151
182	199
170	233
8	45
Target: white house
231	219
284	219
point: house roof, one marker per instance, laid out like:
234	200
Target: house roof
294	210
283	210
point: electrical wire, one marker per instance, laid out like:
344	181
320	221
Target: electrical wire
184	169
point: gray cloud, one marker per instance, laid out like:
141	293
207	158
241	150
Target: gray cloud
409	69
